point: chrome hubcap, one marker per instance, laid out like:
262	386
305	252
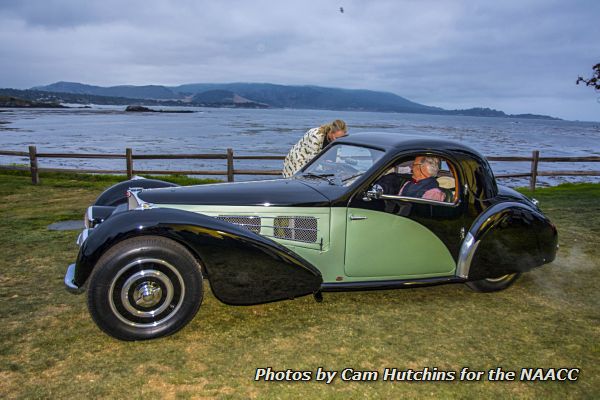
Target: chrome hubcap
146	292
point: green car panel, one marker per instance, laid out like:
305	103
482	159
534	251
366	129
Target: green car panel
386	246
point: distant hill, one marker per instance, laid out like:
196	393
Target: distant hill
277	96
208	99
153	92
74	98
214	96
224	98
313	97
262	95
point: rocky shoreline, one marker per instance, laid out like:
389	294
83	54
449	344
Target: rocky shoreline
15	102
142	109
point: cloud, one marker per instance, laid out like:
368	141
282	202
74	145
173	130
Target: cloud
455	54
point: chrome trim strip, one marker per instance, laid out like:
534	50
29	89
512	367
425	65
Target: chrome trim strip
88	221
239	216
134	194
69	277
263	216
465	256
418	200
134	202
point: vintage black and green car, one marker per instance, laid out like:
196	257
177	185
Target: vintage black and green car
344	222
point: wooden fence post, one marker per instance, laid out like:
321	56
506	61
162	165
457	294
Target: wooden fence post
129	162
33	165
535	159
230	177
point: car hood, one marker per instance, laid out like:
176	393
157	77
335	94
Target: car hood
276	192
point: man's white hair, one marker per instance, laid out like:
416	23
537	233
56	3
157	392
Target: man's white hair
433	165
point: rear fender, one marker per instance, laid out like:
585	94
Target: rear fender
243	268
507	238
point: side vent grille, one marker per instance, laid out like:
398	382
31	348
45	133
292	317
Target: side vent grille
301	229
248	222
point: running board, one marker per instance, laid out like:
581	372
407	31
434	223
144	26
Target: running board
390	284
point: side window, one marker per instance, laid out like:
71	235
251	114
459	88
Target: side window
422	176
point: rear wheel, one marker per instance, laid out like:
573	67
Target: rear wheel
145	287
493	284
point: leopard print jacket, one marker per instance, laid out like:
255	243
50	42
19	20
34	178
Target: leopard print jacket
302	152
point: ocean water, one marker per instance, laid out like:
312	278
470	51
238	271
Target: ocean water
108	129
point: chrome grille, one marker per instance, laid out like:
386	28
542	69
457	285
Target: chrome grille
251	223
302	229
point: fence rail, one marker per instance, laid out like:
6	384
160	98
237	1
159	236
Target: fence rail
231	171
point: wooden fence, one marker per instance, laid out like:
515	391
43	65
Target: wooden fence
231	171
535	160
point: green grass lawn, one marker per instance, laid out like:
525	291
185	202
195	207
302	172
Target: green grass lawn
50	348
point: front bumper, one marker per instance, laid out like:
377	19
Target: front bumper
69	284
70	274
93	216
82	237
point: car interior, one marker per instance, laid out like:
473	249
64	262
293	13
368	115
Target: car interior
394	178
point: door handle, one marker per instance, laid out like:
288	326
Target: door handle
357	217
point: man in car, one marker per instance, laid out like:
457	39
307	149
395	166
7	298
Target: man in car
424	182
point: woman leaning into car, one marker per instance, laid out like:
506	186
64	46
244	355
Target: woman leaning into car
313	141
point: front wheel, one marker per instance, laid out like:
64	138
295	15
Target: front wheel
493	284
144	288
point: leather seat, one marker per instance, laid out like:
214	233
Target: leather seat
447	185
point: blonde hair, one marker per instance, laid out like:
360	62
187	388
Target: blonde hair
333	126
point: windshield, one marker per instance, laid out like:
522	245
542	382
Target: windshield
342	164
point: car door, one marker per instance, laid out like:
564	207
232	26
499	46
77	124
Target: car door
403	238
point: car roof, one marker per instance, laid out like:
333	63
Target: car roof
401	141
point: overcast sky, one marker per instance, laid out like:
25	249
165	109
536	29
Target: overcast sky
518	56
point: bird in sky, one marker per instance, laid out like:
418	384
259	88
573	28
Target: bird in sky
342	10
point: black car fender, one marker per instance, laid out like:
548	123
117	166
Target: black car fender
243	267
508	237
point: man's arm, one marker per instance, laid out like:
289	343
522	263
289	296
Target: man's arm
391	183
434	194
